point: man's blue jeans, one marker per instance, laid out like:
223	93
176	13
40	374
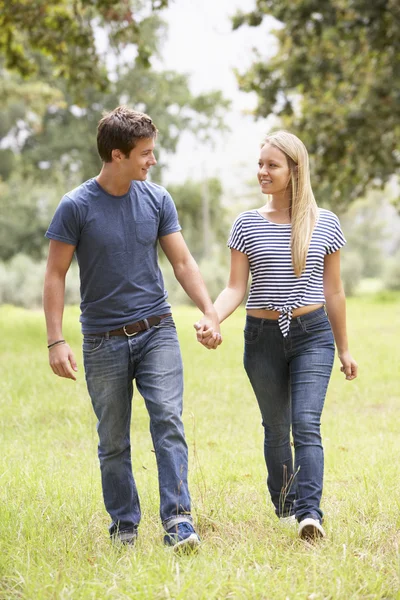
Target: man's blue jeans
153	359
290	377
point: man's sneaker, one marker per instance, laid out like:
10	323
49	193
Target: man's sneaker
126	538
288	521
182	537
311	529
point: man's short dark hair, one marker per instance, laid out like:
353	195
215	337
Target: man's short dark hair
120	129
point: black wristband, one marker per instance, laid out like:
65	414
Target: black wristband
55	343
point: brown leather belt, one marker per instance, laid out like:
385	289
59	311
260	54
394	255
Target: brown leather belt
135	328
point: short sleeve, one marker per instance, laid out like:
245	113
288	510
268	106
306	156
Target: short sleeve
337	240
236	239
169	222
65	225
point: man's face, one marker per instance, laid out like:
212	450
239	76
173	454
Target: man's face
139	161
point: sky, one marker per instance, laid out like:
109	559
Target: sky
202	44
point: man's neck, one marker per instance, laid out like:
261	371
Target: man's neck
111	183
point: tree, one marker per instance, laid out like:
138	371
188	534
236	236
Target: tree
25	211
49	58
366	233
66	139
62	152
48	125
64	32
193	199
335	82
52	123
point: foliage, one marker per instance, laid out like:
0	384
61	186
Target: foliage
391	276
350	271
48	142
214	270
6	163
54	538
25	214
67	137
372	229
44	69
21	282
366	234
335	82
64	32
201	214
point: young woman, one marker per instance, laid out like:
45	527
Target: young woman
296	301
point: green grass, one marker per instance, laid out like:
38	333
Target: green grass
53	526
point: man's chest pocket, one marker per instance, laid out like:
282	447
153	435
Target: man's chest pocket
146	231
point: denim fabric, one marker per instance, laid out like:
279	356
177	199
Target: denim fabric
153	359
290	377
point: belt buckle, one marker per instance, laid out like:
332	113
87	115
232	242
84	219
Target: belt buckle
129	334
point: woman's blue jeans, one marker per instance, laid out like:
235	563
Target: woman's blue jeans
153	359
290	377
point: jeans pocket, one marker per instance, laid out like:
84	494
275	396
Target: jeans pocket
92	344
251	334
166	322
317	325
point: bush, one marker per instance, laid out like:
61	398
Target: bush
391	275
21	282
351	270
214	270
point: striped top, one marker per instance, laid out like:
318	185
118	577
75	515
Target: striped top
274	285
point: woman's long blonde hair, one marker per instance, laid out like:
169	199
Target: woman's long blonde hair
304	210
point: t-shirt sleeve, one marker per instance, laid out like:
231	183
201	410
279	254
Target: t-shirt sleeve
169	222
65	225
337	240
236	239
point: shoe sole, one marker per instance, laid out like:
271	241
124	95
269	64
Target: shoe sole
189	544
310	530
288	521
124	540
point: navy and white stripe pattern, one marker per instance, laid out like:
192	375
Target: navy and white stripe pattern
274	284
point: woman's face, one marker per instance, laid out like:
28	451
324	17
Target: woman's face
273	171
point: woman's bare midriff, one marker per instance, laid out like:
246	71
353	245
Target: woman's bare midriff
275	314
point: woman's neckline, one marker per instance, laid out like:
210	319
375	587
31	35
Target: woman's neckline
272	222
284	224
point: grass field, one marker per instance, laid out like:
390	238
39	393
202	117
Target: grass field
53	526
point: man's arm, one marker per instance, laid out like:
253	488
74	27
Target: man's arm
61	358
188	274
336	309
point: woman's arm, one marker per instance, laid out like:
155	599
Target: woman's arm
230	298
336	308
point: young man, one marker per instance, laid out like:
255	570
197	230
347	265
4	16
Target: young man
113	223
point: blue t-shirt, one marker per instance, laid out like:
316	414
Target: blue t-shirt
116	248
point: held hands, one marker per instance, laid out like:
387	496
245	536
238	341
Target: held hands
349	366
62	361
208	332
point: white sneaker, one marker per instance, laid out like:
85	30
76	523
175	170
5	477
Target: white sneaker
311	529
288	521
